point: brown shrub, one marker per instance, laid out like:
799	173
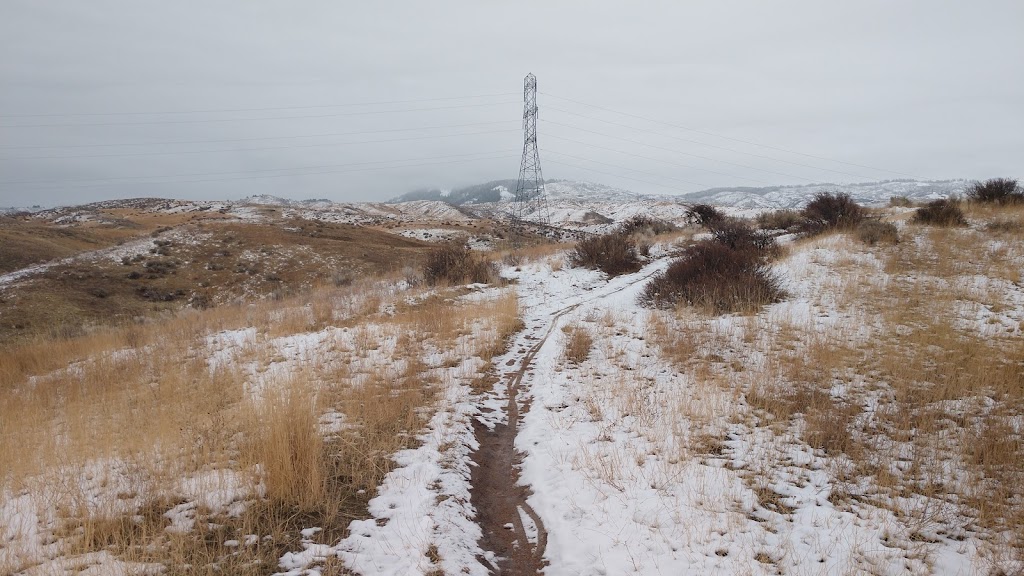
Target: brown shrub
704	214
872	232
738	235
613	254
641	224
945	212
779	220
900	202
831	211
458	264
996	191
714	276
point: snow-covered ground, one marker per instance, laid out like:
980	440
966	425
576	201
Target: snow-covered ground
33	516
637	463
113	253
637	467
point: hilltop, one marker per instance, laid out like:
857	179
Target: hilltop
767	197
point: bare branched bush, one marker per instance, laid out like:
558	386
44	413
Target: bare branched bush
458	264
716	277
613	254
944	212
831	211
779	220
646	225
577	344
873	232
704	214
738	235
996	191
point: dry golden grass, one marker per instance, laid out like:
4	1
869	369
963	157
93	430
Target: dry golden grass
530	252
27	241
578	343
199	264
913	398
143	404
287	444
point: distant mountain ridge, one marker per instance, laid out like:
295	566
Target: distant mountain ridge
796	196
493	191
767	197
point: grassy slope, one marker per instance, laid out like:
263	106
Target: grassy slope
201	262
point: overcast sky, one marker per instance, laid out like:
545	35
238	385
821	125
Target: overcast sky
367	100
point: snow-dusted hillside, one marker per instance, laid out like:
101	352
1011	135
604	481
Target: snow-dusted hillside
769	197
588	206
594	207
869	193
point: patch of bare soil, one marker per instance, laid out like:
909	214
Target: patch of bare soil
497	495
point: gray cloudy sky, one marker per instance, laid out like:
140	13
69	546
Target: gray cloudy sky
224	99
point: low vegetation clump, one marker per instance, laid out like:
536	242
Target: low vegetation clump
738	235
996	191
944	212
577	344
725	274
872	232
614	254
779	220
646	225
704	215
831	211
458	264
1005	226
900	202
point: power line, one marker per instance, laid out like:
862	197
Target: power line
502	157
213	110
651	158
679	151
709	145
748	142
326	144
625	168
219	141
616	175
81	180
211	120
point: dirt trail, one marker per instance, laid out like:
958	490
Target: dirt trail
517	547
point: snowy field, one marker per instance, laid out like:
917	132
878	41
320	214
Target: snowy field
864	424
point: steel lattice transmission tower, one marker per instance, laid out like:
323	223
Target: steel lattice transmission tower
530	200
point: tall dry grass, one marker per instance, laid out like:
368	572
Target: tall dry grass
103	429
578	343
911	397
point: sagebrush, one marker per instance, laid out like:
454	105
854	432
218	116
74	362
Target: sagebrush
647	225
944	212
831	211
727	273
458	264
614	254
779	220
996	191
872	232
704	214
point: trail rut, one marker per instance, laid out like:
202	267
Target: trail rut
514	538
